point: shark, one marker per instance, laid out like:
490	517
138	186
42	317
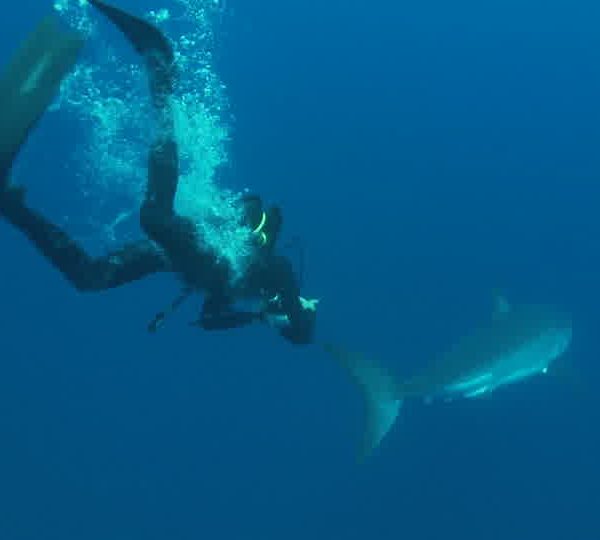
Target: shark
515	344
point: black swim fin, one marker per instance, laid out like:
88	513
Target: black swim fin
144	37
30	82
150	43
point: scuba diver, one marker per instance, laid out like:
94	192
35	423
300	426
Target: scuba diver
173	242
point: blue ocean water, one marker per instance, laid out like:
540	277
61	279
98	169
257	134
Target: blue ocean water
426	155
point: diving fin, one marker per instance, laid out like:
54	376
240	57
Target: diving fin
144	37
150	43
30	83
380	392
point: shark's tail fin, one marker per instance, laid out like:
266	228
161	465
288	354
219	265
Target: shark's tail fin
380	392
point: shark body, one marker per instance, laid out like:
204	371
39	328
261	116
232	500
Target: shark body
514	345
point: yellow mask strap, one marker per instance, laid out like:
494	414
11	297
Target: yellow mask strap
259	230
263	220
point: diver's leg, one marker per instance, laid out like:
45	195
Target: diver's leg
29	84
27	87
157	216
85	273
176	234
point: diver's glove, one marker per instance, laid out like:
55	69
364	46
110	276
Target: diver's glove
309	304
272	312
301	329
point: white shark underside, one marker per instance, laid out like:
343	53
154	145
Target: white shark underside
515	345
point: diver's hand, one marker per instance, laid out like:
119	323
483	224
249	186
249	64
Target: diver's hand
271	312
276	320
309	304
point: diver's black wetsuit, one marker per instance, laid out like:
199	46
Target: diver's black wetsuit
269	276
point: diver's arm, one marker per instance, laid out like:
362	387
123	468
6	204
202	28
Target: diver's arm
294	321
217	314
300	324
227	320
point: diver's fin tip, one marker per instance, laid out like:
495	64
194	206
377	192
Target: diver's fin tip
30	81
143	36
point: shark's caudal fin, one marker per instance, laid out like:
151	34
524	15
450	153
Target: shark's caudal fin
29	83
380	392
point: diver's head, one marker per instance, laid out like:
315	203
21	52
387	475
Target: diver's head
265	224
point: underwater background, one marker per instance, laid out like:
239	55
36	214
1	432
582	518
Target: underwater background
426	156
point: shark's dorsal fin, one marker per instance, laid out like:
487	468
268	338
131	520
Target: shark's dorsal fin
501	306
